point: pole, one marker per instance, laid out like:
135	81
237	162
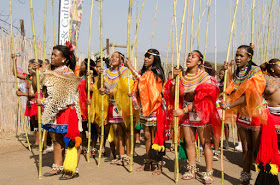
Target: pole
38	89
88	80
224	96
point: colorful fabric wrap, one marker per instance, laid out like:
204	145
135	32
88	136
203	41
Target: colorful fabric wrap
83	99
206	95
268	159
170	103
95	106
159	135
252	86
150	93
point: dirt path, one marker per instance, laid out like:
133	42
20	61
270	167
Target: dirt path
19	166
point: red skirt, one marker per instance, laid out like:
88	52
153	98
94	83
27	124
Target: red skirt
192	120
276	119
248	123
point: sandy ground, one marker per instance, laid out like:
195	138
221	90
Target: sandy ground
20	166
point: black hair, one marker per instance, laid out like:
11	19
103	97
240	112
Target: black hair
106	60
69	55
33	60
156	66
250	53
121	56
209	69
92	64
200	54
267	66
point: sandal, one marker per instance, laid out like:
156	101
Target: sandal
245	178
58	169
115	161
146	167
191	173
158	169
124	161
208	177
65	176
93	152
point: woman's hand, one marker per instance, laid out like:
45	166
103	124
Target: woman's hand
88	101
102	91
224	105
128	62
14	57
39	101
176	71
131	94
178	112
252	46
35	65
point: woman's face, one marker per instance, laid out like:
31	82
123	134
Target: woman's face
148	61
97	67
30	70
221	75
115	59
193	59
57	59
277	69
83	67
242	58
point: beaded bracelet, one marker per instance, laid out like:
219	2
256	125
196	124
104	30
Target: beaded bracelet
107	91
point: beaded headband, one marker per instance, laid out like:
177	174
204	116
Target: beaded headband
245	51
153	54
273	63
192	53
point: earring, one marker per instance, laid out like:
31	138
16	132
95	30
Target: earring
63	61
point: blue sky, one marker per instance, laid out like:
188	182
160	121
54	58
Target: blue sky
115	23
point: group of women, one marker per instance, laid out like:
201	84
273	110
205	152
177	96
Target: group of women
65	105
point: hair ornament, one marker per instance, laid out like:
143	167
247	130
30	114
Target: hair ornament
245	51
153	53
193	53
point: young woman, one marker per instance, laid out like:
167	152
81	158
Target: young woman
116	86
245	96
61	116
31	107
83	99
200	92
149	84
271	71
95	115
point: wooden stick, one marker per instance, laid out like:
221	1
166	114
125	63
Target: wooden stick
53	24
186	41
77	31
38	88
206	37
137	26
44	55
198	27
88	84
102	80
224	96
170	31
241	24
216	37
176	120
191	44
154	25
252	22
15	70
268	29
128	81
